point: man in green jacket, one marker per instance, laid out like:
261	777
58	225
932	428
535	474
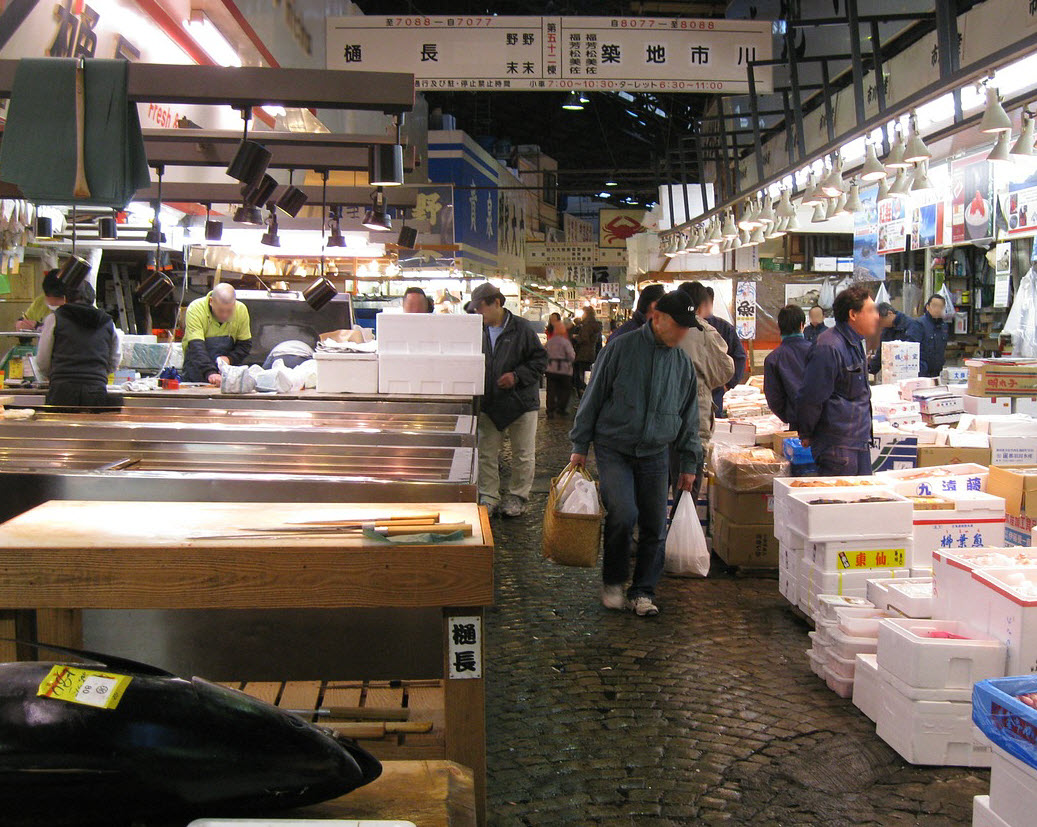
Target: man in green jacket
642	398
216	331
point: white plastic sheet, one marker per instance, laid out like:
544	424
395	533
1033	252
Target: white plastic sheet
1022	318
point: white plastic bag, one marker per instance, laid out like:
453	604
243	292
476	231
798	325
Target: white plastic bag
882	295
686	552
236	379
1022	319
582	498
565	483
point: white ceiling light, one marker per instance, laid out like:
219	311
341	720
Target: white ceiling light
767	217
884	193
901	184
730	230
853	200
873	170
819	216
1024	145
916	149
895	159
211	39
758	236
995	119
999	154
812	197
833	185
921	181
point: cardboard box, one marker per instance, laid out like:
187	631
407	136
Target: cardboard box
954	375
938	400
892	451
1002	377
929	455
1018	487
900	360
739	544
987	405
1025	405
1013	450
778	443
1019	531
754	507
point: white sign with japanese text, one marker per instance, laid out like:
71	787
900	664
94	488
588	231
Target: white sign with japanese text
465	647
556	53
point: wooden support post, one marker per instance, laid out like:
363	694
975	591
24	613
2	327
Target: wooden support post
60	627
465	700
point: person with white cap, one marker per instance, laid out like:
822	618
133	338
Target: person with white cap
642	398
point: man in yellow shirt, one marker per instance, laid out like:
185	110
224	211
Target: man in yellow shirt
52	297
216	332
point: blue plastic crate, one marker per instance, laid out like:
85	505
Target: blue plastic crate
1004	719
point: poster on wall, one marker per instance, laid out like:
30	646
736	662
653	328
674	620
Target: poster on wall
803	295
745	310
972	200
929	221
1021	207
868	265
892	226
616	226
1002	273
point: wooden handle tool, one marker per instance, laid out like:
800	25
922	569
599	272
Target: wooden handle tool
82	189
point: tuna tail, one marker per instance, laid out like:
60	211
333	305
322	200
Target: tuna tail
108	661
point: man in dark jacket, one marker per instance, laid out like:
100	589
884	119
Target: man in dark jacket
79	347
641	400
515	361
783	367
894	326
587	342
931	332
833	410
734	350
645	306
816	326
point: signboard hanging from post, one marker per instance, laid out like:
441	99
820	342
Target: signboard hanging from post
490	53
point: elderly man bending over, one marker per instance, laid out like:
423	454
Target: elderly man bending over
217	332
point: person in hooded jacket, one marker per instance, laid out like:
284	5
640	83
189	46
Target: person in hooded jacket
79	347
515	363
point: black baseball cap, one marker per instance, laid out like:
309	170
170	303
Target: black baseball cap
678	305
484	292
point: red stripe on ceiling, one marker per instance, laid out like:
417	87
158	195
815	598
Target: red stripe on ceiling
246	27
175	32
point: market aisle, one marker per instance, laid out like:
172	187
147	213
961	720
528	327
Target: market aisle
709	713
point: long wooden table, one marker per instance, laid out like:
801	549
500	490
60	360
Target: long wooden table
64	556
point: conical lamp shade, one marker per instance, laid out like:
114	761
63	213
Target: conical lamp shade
832	210
793	223
812	197
736	242
853	200
714	234
833	185
873	170
895	159
901	184
916	149
785	208
819	216
1024	145
778	230
767	213
921	182
995	119
743	236
884	193
840	205
1000	154
758	236
730	230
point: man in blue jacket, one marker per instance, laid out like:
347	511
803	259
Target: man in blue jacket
783	367
734	350
895	327
931	332
833	410
640	400
645	306
816	326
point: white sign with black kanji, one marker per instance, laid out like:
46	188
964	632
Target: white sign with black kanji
464	647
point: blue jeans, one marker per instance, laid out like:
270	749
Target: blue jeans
633	490
840	461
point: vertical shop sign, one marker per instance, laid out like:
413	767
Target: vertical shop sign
868	265
465	647
745	310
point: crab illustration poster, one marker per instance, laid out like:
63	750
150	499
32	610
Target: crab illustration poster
616	226
745	309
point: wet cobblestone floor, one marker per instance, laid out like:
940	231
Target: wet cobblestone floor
707	714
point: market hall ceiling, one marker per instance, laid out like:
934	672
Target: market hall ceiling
626	138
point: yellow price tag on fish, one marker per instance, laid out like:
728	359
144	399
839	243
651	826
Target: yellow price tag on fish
73	685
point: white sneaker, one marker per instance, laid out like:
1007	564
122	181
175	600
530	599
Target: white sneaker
613	597
643	607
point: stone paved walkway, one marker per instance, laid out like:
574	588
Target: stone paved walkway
706	714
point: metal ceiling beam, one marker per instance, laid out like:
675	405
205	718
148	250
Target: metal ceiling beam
197	193
247	86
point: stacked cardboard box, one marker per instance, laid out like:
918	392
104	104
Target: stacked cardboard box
1018	487
900	360
1002	377
742	505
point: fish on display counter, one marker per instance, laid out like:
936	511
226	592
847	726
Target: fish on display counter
119	741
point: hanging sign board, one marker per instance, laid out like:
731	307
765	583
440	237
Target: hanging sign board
868	264
972	199
642	54
745	309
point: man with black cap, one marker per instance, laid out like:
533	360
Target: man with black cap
515	362
642	398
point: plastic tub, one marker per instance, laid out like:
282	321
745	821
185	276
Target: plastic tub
860	622
847	647
841	667
840	686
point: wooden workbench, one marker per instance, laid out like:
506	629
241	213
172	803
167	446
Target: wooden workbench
64	556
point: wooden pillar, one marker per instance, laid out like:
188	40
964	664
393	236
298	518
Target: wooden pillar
465	700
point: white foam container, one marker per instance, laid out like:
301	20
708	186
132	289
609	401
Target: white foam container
977	521
1013	788
816	582
841	668
915	693
346	372
852	555
956	596
847	648
431	375
851	517
983	816
877	590
785	486
840	686
1013	614
789	561
830	604
817	662
911	599
937	479
866	686
855	621
428	334
906	652
932	733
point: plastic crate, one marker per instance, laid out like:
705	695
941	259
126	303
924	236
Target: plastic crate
1004	719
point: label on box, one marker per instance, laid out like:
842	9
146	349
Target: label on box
1018	531
881	558
978	534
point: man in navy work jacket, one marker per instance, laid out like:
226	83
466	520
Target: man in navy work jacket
833	410
641	399
894	326
783	367
931	332
816	326
734	350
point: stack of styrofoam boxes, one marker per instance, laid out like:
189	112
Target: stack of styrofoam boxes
900	360
431	354
897	413
1009	724
828	615
793	574
926	669
837	645
848	540
939	406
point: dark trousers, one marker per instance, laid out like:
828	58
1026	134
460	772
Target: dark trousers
76	397
840	461
579	370
559	388
633	491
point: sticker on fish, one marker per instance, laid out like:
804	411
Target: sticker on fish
102	690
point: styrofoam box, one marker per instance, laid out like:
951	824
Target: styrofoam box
428	334
789	561
983	816
849	583
840	686
977	520
1012	596
849	518
934	733
817	662
848	648
906	651
857	621
853	555
988	405
1025	405
866	686
431	375
922	571
914	600
1013	788
830	604
938	479
956	596
841	667
346	372
784	486
877	588
916	693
